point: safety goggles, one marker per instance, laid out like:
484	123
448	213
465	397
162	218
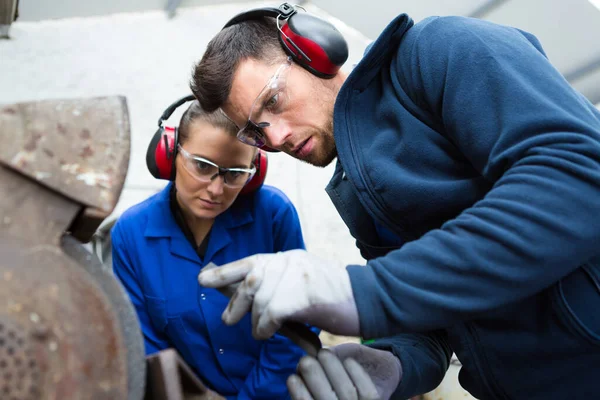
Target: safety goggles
204	170
266	109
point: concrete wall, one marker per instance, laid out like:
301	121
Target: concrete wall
37	10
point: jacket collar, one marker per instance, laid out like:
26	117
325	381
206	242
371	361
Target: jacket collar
378	52
347	114
162	224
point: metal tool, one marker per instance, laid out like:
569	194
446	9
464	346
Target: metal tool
67	326
297	332
170	378
8	14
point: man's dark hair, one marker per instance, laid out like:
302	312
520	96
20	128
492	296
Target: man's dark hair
195	112
213	74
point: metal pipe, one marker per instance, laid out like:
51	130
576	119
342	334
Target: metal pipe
8	10
486	8
583	71
594	98
171	7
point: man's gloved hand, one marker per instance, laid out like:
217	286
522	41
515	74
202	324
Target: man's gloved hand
288	285
348	371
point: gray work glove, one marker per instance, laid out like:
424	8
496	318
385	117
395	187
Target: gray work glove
289	285
349	371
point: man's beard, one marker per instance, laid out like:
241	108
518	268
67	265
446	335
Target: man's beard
327	152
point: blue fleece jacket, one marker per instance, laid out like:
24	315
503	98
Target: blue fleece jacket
460	138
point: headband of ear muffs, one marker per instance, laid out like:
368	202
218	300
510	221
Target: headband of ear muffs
162	151
312	42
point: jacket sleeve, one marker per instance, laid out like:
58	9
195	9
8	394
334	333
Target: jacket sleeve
526	130
154	340
424	359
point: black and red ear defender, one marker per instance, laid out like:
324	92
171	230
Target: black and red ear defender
312	42
162	152
261	162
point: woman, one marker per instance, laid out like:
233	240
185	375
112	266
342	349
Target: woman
160	245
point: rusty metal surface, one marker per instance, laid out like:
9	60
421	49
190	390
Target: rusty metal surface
66	330
31	212
124	312
63	321
78	147
19	370
170	378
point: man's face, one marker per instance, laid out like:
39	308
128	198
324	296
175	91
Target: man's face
297	107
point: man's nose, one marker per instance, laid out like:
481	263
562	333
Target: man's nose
215	187
278	135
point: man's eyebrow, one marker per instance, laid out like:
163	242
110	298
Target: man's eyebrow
261	106
269	89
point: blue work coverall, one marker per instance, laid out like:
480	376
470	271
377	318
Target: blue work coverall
159	267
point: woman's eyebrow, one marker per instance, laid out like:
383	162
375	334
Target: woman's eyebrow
208	159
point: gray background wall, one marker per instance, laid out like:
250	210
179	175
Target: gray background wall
568	29
148	58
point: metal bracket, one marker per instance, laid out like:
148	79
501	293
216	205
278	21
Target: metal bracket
170	378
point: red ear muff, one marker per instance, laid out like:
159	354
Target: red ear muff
260	162
162	150
313	43
161	153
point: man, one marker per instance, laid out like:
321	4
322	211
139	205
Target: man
468	170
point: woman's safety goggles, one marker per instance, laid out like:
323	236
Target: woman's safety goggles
204	170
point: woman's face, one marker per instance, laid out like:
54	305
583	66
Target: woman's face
209	199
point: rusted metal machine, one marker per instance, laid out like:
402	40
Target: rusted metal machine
67	328
61	315
8	14
170	378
